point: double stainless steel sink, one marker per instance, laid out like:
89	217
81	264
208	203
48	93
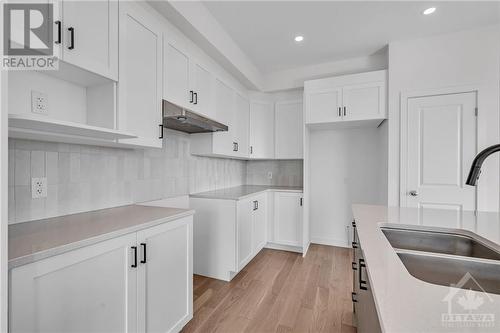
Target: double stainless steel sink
445	257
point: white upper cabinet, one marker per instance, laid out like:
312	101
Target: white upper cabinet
327	106
241	118
140	86
89	35
176	74
261	130
350	100
289	130
188	82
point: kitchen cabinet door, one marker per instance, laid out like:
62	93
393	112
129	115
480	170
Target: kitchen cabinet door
176	75
244	232
92	289
203	88
224	101
90	36
140	85
288	218
241	120
259	222
364	101
289	130
165	276
323	106
261	130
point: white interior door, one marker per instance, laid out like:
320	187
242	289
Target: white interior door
441	144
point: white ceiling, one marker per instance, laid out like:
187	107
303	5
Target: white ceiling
337	30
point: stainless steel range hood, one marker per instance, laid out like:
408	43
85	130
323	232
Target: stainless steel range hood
181	119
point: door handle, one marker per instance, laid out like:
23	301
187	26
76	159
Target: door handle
362	283
59	32
71	38
143	261
413	193
134	265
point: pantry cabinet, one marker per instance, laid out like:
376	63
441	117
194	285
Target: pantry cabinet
350	100
140	85
288	218
88	33
289	130
261	130
139	282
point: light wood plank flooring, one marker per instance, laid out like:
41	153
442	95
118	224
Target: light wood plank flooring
279	291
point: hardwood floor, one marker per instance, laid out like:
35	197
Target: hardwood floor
279	291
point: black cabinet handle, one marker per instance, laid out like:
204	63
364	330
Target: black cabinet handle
353	265
143	261
234	146
345	112
301	201
161	131
134	265
353	223
71	38
255	205
354	245
340	111
191	93
362	283
354	300
251	149
195	98
59	32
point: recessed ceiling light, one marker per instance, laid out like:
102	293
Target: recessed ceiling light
429	11
299	38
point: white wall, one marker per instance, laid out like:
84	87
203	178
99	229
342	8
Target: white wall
469	58
346	166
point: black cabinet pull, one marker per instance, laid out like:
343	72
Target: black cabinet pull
161	131
353	224
353	265
234	147
362	283
143	261
59	32
340	111
134	265
255	205
195	98
251	149
345	112
191	93
354	245
71	38
301	201
354	300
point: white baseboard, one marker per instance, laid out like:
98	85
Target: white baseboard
290	248
330	241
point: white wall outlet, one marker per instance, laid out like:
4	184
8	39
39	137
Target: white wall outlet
39	102
269	175
38	188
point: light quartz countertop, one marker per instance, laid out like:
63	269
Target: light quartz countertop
243	191
405	303
36	240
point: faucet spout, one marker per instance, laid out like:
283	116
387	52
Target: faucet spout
475	169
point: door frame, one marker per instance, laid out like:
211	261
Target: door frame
403	147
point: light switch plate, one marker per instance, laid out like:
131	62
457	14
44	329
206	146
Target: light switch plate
38	188
39	102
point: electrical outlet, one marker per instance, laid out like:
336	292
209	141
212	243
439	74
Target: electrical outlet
269	175
39	102
38	188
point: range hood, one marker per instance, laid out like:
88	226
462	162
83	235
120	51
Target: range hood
181	119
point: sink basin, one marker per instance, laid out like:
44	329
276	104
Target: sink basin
446	270
439	242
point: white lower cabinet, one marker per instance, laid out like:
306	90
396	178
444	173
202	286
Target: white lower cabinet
118	285
288	218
